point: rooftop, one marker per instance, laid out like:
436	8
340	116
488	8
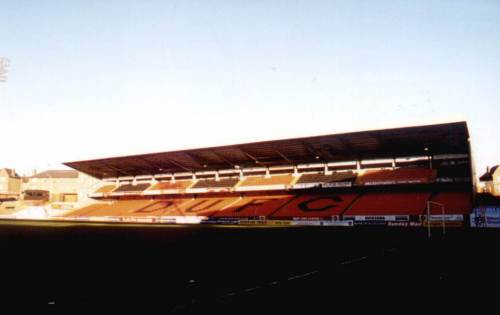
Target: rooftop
57	174
449	138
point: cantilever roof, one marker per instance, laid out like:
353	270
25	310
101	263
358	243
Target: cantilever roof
449	138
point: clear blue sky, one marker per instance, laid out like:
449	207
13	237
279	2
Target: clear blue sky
94	79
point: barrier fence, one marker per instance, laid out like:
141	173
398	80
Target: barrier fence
489	217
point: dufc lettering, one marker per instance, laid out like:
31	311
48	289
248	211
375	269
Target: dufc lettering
160	205
207	204
305	205
253	202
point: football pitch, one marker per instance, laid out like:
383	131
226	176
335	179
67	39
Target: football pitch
90	268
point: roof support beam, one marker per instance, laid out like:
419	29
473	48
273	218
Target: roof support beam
309	148
224	159
197	160
284	157
178	164
326	151
346	148
250	156
119	171
332	152
152	164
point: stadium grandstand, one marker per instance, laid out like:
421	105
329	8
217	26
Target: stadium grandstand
412	176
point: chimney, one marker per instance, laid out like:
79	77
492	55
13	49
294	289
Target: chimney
487	169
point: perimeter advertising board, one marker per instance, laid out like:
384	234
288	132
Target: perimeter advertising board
376	219
322	223
487	216
438	220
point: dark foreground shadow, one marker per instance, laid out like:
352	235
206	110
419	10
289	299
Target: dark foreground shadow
97	269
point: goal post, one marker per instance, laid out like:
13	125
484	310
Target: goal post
429	204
